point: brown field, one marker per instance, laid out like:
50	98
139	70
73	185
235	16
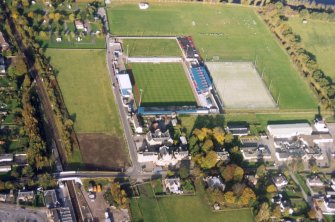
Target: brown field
103	152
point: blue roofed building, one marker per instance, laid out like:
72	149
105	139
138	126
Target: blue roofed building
201	79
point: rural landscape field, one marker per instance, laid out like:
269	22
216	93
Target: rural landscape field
83	79
220	34
318	38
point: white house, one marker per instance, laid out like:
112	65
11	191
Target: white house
279	181
79	24
172	185
158	137
289	130
314	181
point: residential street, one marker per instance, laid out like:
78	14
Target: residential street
135	170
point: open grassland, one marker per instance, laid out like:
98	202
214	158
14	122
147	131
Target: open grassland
85	85
163	84
183	208
318	38
152	47
230	33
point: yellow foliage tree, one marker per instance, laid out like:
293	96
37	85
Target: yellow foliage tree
271	189
218	135
229	197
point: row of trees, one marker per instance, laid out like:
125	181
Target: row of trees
41	65
304	60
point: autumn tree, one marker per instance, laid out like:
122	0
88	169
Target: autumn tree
238	174
218	135
207	146
230	197
248	196
271	188
263	214
276	212
261	171
46	181
209	160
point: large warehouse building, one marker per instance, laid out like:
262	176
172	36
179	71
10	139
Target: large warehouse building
289	130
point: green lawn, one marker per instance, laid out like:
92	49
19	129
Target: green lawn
163	84
318	38
86	88
232	33
183	208
152	47
259	119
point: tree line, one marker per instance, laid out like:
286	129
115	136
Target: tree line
274	16
64	123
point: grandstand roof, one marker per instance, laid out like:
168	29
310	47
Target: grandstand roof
124	83
201	78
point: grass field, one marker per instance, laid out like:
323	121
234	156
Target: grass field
152	47
239	35
163	84
183	208
318	38
85	86
86	89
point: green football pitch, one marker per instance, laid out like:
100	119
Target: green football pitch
163	84
224	33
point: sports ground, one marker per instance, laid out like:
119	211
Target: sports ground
162	84
240	86
224	33
318	38
86	89
151	47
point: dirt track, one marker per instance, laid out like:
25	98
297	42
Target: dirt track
103	152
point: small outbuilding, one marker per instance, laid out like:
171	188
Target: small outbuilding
143	5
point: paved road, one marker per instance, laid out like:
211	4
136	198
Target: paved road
136	169
10	212
307	198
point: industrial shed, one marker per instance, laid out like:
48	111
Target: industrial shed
289	130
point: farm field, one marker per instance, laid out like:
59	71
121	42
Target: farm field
219	33
150	208
163	84
318	38
152	47
88	96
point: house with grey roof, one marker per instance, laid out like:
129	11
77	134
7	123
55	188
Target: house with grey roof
172	185
25	196
214	182
280	181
